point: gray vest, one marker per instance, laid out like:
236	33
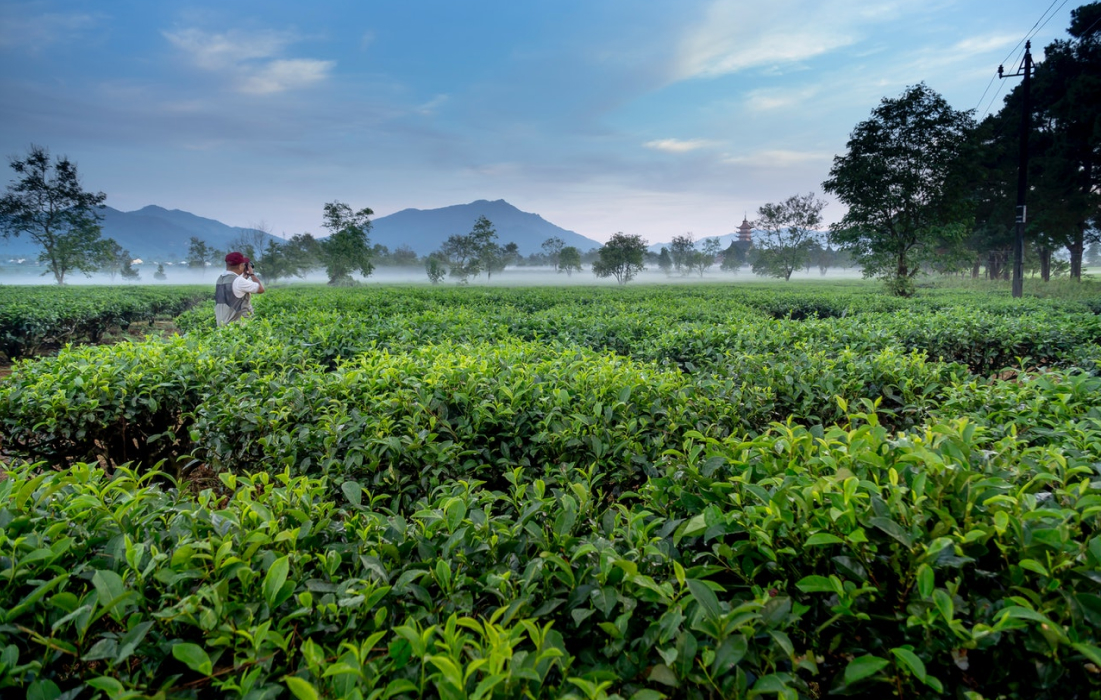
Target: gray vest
228	307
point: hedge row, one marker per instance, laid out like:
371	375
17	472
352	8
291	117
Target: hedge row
795	563
31	317
239	397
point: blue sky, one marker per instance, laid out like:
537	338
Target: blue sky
651	117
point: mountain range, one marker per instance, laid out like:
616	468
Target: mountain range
154	233
425	230
150	233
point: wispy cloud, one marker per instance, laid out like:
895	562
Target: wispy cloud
768	99
281	75
253	60
678	145
429	108
735	35
778	158
22	27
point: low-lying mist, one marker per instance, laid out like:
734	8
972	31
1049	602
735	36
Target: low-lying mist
510	277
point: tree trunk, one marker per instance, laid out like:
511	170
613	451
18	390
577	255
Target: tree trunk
1045	263
992	267
1076	247
975	268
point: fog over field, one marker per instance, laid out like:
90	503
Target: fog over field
512	276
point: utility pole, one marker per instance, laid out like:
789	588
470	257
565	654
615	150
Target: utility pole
1025	70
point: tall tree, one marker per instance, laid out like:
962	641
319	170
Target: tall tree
347	248
902	180
461	254
787	235
199	254
296	257
484	238
112	258
681	250
665	261
621	257
702	260
47	203
471	254
404	256
569	260
734	257
128	272
252	242
552	248
1068	111
436	267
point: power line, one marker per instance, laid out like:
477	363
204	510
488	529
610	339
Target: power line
1048	19
1029	32
995	97
1036	27
1088	30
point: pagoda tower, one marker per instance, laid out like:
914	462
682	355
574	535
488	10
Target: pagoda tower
745	232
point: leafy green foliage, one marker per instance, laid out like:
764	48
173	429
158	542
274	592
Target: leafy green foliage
786	235
48	203
347	248
629	493
31	317
621	257
902	180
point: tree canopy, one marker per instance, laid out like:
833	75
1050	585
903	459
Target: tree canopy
621	257
47	203
348	248
569	260
788	235
903	179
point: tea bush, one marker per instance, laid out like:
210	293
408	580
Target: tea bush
851	560
689	492
31	317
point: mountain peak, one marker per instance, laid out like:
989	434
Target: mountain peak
426	230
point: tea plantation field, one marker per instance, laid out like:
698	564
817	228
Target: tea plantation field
637	493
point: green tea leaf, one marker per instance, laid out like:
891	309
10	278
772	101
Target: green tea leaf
822	538
354	493
911	661
45	689
815	584
1034	566
893	529
730	652
706	598
194	656
661	673
1090	652
944	604
862	667
275	578
926	580
302	689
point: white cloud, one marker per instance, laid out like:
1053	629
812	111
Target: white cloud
19	27
778	158
282	75
252	60
735	35
773	98
678	145
429	108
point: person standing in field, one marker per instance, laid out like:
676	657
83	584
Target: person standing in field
233	295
